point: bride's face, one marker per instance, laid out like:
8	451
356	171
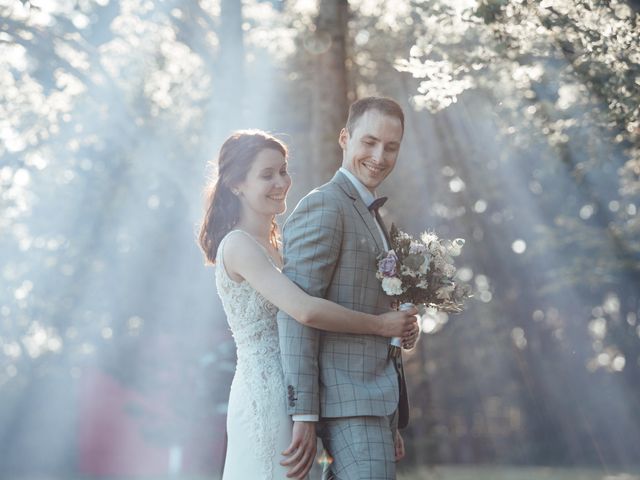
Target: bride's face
265	188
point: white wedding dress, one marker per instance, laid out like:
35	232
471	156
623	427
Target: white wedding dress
258	426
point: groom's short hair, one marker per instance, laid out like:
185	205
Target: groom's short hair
384	105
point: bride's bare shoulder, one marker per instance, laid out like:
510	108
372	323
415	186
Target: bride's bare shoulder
240	250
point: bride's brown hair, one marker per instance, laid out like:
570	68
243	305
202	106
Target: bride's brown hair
236	156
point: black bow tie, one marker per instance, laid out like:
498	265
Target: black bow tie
376	204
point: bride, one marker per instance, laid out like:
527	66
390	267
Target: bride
240	236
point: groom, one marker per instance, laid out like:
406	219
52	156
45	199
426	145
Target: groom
342	387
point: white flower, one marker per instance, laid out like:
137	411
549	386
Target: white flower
444	293
416	248
423	284
449	270
440	264
455	247
428	238
436	249
392	285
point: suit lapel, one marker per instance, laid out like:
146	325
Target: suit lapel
347	187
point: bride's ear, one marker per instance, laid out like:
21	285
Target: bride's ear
236	189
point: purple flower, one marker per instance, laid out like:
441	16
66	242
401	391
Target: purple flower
387	266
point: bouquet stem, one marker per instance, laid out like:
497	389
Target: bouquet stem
395	346
394	351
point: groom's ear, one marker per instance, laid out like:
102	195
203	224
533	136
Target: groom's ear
343	138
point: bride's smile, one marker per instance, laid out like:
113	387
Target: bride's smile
264	190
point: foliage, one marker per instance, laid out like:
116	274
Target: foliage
567	69
105	131
523	140
529	152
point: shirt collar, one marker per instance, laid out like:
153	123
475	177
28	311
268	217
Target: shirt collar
365	194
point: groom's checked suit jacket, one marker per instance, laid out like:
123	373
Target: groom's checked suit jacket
331	244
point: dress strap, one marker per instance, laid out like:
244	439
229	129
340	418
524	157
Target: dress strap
220	266
266	252
222	243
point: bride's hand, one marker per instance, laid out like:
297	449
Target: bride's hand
302	450
397	324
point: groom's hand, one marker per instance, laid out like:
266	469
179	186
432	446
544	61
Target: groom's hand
302	450
398	323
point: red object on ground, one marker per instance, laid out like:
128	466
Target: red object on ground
111	441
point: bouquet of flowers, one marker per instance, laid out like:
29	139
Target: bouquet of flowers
422	272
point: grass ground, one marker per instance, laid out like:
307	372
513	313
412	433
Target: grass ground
516	473
436	473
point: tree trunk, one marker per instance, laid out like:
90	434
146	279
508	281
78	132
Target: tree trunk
230	67
329	92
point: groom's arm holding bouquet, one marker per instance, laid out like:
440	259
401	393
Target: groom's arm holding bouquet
312	238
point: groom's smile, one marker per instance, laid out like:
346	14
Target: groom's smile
371	150
374	169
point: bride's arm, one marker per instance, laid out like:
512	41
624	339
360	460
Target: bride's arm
243	257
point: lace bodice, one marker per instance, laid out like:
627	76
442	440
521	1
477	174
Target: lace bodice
252	320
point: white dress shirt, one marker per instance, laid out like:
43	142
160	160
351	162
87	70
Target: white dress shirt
367	197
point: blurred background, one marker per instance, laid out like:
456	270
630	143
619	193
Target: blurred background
522	136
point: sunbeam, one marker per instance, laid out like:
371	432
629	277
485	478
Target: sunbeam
521	135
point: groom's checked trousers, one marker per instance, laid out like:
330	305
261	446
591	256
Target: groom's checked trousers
362	447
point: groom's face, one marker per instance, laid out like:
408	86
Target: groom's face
371	150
